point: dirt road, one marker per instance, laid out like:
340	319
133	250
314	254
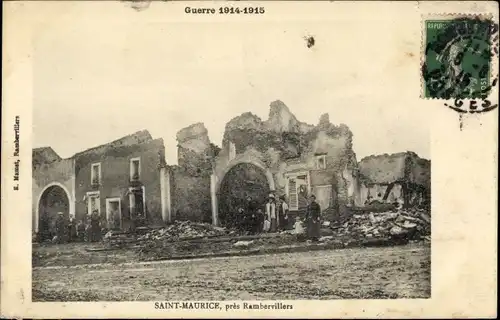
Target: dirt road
361	273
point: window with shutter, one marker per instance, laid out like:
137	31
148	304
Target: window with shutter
292	194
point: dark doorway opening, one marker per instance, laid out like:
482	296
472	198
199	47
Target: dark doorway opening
242	180
53	200
137	206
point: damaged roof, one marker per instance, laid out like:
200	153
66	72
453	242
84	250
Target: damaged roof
44	155
131	139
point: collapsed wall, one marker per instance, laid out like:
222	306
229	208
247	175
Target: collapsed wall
191	177
403	176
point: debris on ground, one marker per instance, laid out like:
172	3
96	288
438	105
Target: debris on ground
412	224
177	231
326	238
397	226
180	237
186	229
244	244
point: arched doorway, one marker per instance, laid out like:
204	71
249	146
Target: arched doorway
53	199
240	181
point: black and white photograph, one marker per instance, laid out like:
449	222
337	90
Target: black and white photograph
292	188
208	156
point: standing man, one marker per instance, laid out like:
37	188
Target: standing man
313	215
71	230
60	227
241	220
251	210
88	229
271	212
44	229
282	213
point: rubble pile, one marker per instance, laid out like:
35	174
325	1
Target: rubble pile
183	230
411	224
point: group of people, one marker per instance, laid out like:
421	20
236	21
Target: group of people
276	216
68	230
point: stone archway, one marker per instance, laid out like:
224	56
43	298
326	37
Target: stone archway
219	176
241	181
54	198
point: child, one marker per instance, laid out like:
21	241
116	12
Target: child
299	229
80	230
267	224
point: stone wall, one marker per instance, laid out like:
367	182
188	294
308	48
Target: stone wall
389	168
190	183
190	195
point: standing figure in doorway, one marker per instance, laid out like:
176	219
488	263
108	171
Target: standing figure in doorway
271	212
44	229
241	220
60	228
313	215
71	230
251	210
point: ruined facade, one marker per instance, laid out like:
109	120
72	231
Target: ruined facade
117	179
280	155
297	159
402	177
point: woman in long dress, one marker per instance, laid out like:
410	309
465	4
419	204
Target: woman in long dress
313	215
95	227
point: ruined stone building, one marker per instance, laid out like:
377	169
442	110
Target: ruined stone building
114	180
296	159
403	177
280	155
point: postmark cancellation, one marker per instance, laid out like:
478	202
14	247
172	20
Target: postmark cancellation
459	54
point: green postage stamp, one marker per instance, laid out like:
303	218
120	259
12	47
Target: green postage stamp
457	57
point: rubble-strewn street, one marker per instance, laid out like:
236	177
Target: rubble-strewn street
360	273
190	239
414	224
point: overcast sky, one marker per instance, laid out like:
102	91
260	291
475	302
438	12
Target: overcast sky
96	82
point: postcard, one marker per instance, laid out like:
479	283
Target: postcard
249	159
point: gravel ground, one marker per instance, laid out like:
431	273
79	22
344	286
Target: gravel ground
359	273
71	254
